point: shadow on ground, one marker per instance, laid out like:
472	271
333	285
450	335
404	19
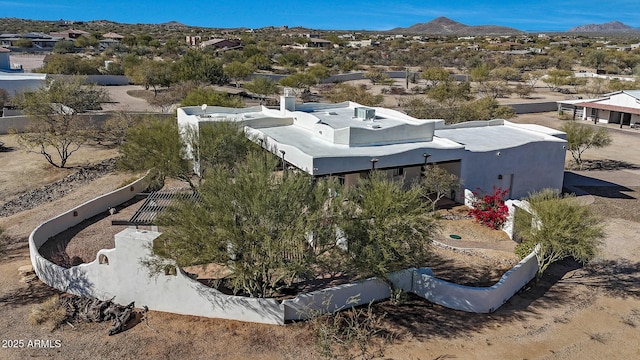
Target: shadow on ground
424	320
608	164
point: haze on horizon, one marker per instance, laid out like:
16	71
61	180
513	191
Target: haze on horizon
544	15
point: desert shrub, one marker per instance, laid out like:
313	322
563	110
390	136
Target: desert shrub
50	314
396	90
351	334
490	209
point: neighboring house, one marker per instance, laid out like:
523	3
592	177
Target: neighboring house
222	44
621	107
318	43
361	43
14	80
348	140
105	43
70	34
38	40
113	36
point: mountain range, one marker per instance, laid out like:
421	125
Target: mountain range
446	26
610	27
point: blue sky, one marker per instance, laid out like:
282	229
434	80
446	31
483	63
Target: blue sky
545	15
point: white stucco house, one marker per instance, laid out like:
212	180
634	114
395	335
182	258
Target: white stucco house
620	107
13	79
348	140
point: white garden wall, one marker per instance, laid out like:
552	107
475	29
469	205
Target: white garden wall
119	274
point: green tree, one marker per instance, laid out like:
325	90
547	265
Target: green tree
580	138
198	66
63	47
68	65
450	93
437	183
480	73
557	78
211	97
86	41
561	226
346	92
378	76
435	75
254	222
151	73
260	61
23	43
300	81
220	143
237	70
291	59
56	128
155	143
387	227
262	86
318	72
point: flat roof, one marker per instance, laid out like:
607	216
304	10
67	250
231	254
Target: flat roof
492	138
305	141
339	118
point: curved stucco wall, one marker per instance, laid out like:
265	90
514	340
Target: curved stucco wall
120	274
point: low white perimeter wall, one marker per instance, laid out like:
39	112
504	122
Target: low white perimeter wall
475	299
119	274
126	279
305	306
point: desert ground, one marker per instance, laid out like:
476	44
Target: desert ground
574	312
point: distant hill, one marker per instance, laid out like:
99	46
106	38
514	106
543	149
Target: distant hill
610	27
446	26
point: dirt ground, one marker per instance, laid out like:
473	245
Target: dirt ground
575	312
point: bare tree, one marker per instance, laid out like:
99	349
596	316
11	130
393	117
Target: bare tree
56	127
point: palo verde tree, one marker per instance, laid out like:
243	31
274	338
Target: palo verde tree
346	92
262	86
56	128
254	221
237	71
219	143
155	143
199	66
387	227
561	226
580	138
437	183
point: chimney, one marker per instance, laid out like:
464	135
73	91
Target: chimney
287	102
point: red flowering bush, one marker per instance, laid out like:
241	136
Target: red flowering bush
489	209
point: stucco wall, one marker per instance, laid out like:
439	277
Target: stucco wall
119	274
475	299
534	166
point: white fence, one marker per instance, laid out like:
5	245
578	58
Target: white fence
120	274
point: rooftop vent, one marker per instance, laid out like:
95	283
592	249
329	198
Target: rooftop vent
364	113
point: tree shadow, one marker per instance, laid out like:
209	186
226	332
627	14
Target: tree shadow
597	187
607	165
4	149
36	292
610	192
424	320
618	277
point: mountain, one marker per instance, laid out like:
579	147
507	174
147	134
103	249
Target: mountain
610	27
446	26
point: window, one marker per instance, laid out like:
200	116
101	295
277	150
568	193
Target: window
398	172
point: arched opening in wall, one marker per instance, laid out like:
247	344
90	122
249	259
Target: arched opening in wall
103	259
170	270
